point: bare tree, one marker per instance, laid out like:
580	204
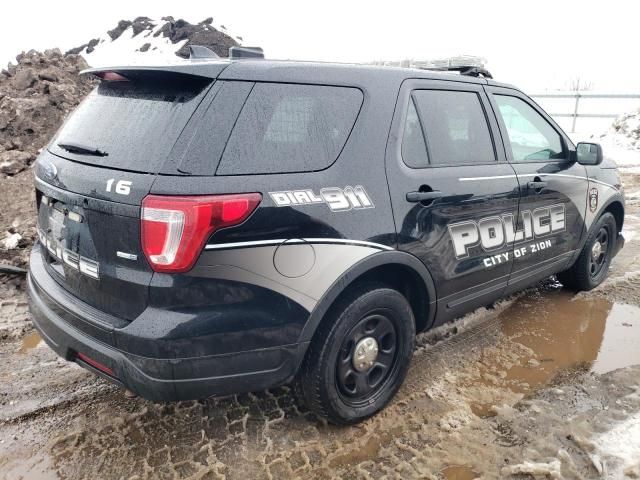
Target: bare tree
578	84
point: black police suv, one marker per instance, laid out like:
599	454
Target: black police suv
222	226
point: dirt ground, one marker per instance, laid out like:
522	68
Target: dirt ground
544	384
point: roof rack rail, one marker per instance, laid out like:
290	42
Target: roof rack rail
238	53
198	52
468	70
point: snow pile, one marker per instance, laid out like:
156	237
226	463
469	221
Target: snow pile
627	130
622	141
147	41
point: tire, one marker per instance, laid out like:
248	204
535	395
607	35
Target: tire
591	268
330	383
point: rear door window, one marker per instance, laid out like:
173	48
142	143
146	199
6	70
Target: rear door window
286	128
455	127
132	125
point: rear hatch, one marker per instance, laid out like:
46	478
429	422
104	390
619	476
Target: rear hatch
91	181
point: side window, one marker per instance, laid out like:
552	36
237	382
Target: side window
414	150
286	128
531	137
456	127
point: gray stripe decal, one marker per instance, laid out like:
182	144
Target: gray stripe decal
472	179
294	241
265	267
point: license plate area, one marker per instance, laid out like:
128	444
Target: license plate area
60	229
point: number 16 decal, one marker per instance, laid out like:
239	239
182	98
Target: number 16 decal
123	187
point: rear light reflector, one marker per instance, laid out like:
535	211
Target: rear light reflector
111	77
95	364
175	228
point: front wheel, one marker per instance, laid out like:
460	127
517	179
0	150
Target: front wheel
359	356
592	265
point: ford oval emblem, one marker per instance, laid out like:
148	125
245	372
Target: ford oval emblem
50	170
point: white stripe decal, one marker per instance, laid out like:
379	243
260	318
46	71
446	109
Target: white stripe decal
471	179
258	243
266	243
605	184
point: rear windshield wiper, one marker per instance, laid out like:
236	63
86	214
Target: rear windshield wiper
82	149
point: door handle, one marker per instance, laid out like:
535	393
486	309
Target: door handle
537	185
415	197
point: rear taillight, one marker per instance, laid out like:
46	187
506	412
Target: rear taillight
174	229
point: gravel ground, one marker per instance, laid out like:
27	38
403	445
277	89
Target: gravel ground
540	385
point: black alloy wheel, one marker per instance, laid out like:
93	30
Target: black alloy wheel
359	355
599	251
367	358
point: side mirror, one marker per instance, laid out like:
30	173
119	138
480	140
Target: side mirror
589	153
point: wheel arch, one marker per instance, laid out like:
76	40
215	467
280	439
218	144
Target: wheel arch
396	269
616	208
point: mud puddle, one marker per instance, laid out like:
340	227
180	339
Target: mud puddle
30	341
459	472
561	333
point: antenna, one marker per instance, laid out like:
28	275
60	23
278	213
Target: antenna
198	52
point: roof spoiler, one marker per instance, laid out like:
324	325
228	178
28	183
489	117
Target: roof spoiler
210	69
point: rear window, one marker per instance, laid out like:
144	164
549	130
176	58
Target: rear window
286	128
456	127
134	124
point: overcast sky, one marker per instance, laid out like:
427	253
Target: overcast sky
536	44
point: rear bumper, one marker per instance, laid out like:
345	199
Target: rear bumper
157	379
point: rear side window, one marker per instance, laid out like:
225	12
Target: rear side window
455	126
285	128
134	124
531	137
414	150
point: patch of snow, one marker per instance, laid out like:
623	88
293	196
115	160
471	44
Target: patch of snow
551	469
126	49
628	234
11	241
622	155
619	449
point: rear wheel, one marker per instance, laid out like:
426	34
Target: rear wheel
359	356
592	265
